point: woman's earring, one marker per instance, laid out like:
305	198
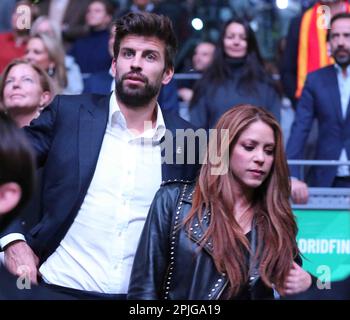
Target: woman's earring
51	71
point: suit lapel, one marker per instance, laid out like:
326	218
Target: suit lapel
169	143
348	111
332	85
92	127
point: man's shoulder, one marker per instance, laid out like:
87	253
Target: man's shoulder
67	101
173	121
321	72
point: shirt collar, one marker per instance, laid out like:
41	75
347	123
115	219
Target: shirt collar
339	69
117	119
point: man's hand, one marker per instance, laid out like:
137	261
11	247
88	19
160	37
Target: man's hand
300	191
298	280
20	259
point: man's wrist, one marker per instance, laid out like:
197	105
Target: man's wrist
11	238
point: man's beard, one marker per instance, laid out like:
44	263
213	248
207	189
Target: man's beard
138	96
343	60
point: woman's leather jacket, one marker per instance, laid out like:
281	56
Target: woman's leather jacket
168	263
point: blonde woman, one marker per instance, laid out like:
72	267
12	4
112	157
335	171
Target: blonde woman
48	53
74	77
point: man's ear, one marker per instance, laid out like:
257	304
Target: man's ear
167	76
114	67
10	195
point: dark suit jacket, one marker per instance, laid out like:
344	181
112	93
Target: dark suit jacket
67	138
320	99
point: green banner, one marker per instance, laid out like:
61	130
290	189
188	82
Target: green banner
324	241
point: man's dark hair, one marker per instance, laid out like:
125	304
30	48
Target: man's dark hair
16	159
149	25
343	15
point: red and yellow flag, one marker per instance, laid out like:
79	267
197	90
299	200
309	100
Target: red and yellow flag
312	52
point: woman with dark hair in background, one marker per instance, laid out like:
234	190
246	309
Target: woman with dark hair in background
230	235
236	76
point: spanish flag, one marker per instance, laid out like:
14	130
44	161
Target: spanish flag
313	52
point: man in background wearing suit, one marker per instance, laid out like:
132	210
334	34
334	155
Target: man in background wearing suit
102	158
325	96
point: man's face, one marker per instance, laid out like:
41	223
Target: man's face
140	70
340	41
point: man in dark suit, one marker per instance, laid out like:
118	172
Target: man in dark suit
325	97
294	70
103	158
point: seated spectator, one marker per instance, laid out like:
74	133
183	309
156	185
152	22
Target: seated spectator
91	51
138	6
69	15
6	9
25	89
201	60
74	77
48	53
236	76
102	82
13	43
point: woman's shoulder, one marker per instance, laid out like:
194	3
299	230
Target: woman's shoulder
175	188
177	185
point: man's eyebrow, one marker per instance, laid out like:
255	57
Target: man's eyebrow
147	51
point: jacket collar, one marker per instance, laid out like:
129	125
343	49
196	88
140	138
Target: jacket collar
198	226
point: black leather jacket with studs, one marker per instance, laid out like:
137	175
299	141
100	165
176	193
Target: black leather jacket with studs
168	264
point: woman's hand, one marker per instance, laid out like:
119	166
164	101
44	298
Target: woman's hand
298	280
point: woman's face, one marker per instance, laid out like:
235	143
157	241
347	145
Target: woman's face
23	88
253	155
235	41
38	54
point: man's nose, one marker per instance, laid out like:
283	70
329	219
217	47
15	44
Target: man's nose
136	62
341	41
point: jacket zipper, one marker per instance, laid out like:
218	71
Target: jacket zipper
221	291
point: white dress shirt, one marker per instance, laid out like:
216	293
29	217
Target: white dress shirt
344	91
98	250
